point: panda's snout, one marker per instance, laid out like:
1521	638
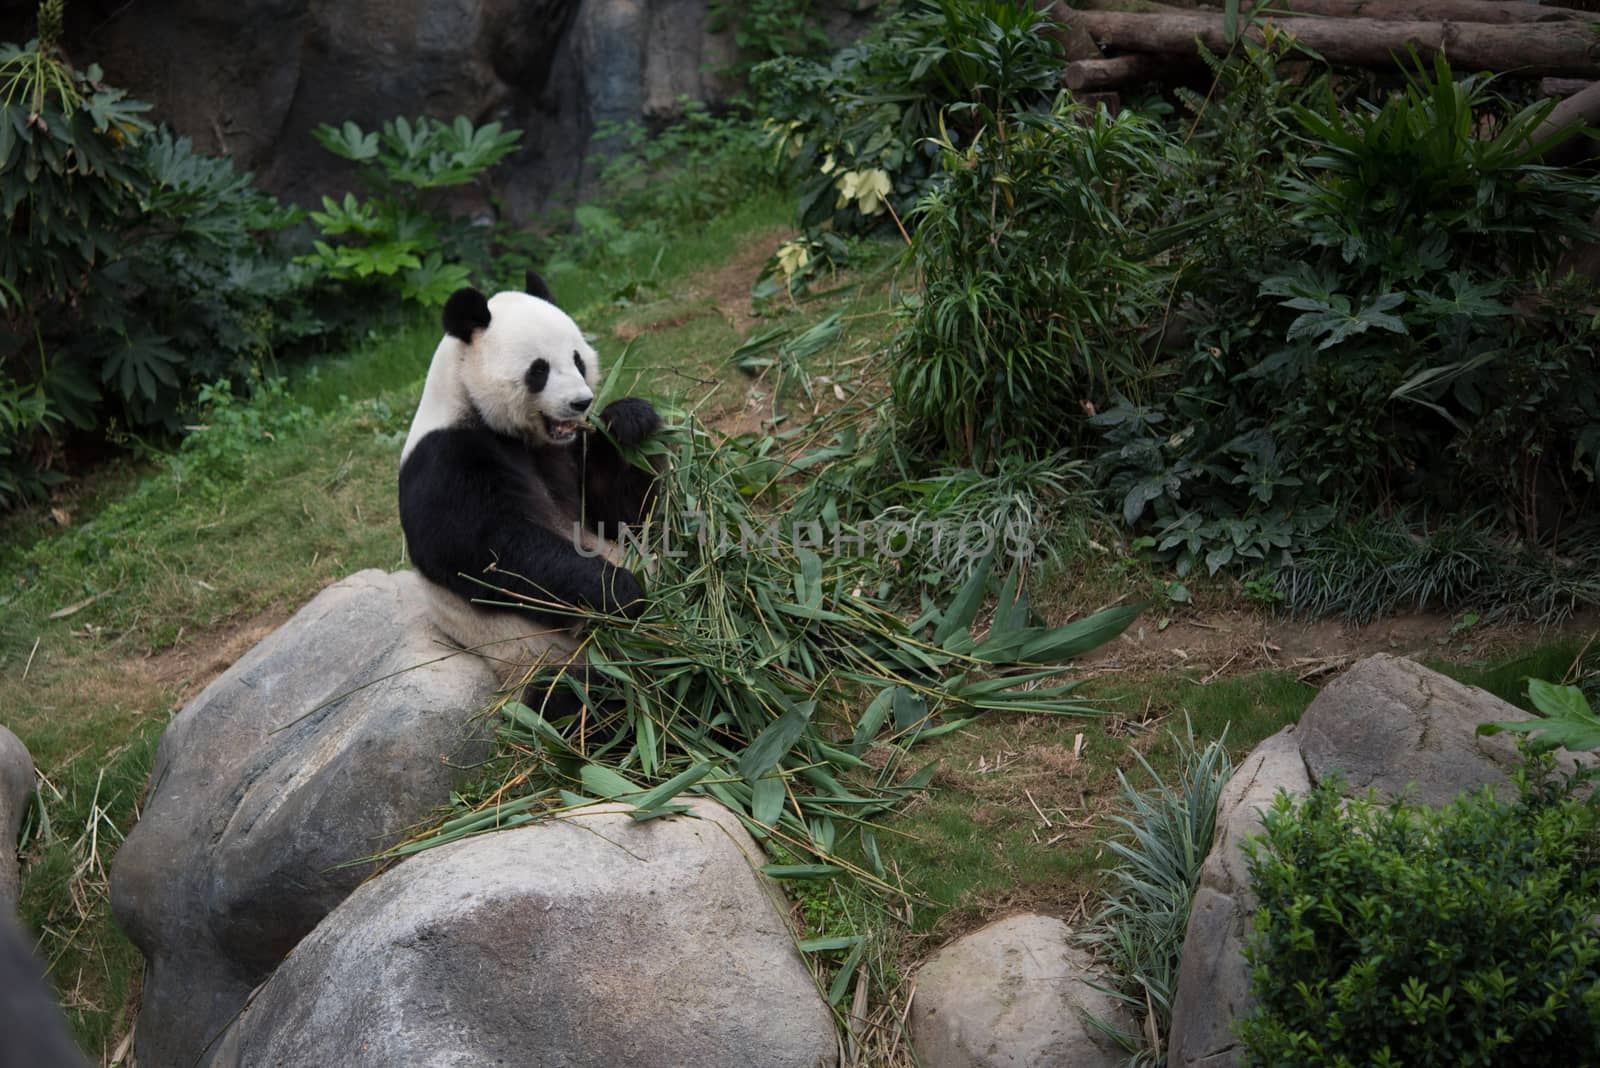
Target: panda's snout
580	405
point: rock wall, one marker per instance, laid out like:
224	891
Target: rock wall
253	78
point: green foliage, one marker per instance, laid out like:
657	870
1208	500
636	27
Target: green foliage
1164	834
1413	349
401	238
765	29
133	267
688	172
850	133
1374	566
1032	289
1564	720
1394	934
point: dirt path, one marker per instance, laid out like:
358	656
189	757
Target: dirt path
1218	644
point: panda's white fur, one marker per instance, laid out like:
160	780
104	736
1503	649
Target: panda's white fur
499	482
494	380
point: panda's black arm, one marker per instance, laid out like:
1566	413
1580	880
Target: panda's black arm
467	528
535	562
616	491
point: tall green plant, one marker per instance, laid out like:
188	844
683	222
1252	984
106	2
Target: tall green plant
850	133
1033	289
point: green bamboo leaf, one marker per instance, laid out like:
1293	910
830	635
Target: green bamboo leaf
775	741
767	804
964	607
660	795
800	871
873	718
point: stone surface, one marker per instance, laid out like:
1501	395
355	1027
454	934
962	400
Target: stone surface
1388	725
16	787
319	747
1214	981
591	940
1392	725
1014	994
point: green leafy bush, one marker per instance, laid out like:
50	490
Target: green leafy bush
1398	935
688	172
1033	289
403	237
132	268
850	133
1403	345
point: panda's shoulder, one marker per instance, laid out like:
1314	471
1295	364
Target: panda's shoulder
460	451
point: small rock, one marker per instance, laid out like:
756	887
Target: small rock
321	746
16	788
590	940
1014	994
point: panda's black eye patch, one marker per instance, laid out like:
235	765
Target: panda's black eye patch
538	374
578	361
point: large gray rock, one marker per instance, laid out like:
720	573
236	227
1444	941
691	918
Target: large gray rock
590	940
1014	994
321	746
16	788
1387	725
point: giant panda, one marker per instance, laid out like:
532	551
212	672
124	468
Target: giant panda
502	485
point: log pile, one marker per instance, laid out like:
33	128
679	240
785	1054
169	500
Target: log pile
1510	36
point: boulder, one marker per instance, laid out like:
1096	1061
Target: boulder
342	729
16	788
1014	994
1387	725
1391	725
1213	980
593	939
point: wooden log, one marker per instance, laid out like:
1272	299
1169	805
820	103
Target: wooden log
1487	12
1089	75
1579	109
1563	86
1567	49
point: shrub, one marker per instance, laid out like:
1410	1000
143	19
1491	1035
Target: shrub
850	133
1033	289
132	266
1405	346
1394	934
403	237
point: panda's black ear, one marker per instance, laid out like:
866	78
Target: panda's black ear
536	287
466	310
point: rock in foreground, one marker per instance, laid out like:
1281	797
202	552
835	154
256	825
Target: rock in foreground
16	787
319	747
1014	994
592	940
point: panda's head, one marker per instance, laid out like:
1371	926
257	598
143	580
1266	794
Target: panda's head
525	366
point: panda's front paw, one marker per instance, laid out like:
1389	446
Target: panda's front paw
630	420
621	594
